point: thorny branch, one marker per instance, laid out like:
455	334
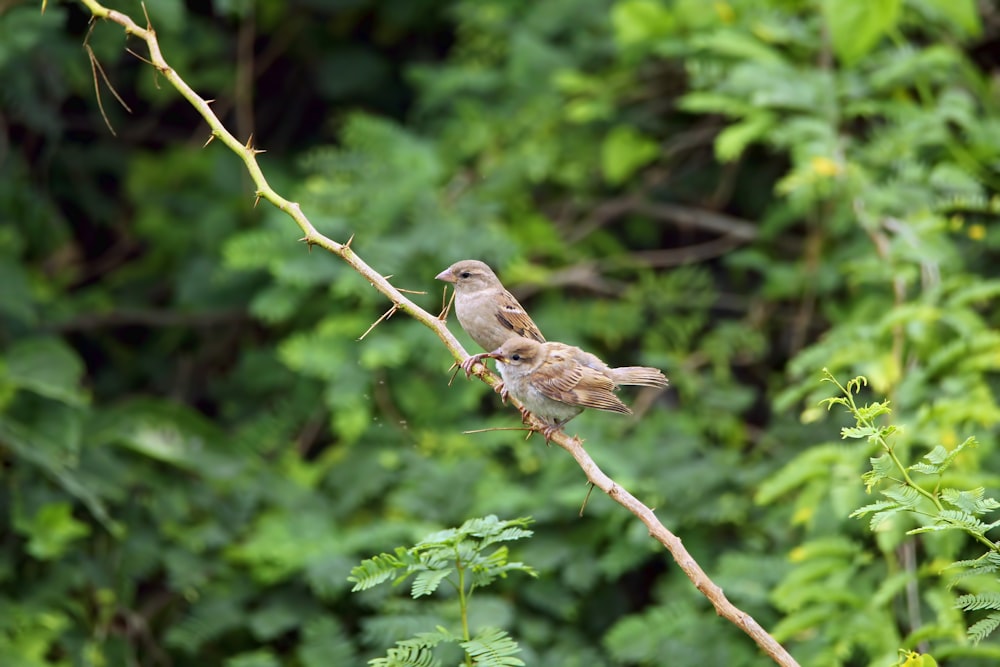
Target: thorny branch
311	237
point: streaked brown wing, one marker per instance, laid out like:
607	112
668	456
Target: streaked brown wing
574	384
511	316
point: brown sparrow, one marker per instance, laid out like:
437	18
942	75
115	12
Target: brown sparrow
488	312
555	381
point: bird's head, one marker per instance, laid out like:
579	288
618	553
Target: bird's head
469	275
518	351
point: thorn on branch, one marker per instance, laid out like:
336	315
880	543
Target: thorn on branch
347	246
496	428
140	57
211	137
587	497
386	315
257	199
248	146
445	304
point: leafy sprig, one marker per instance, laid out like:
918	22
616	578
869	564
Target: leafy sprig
937	508
468	558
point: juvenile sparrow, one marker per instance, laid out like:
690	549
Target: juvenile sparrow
555	381
488	312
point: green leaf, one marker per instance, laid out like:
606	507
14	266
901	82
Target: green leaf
415	652
15	297
963	13
167	432
48	367
973	501
733	140
205	620
989	600
983	628
373	571
492	647
284	541
858	432
624	151
428	581
856	27
43	449
325	643
638	22
51	531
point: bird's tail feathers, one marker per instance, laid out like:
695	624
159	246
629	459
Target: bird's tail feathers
642	376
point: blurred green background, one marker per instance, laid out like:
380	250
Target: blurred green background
195	448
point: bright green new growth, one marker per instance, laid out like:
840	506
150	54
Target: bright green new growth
917	490
468	557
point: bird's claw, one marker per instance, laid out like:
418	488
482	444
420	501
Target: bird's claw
469	362
524	414
549	431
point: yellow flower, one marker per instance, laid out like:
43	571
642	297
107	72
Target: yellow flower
824	166
977	232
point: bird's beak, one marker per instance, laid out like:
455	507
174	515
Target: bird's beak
446	276
496	354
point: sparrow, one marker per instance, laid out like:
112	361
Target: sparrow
487	311
555	381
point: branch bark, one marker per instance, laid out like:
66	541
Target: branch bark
312	237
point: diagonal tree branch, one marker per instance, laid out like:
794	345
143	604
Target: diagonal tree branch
248	153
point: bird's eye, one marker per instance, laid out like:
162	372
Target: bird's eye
464	274
515	357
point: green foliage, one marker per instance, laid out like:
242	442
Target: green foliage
934	508
468	559
197	448
915	659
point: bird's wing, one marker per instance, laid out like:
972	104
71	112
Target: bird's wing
511	316
574	384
